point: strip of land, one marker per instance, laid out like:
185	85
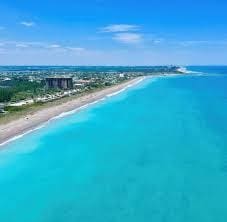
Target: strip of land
28	122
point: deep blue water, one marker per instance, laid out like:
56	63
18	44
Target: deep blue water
156	152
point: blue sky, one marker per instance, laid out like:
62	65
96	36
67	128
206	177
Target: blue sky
113	32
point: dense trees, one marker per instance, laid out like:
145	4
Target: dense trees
5	94
19	89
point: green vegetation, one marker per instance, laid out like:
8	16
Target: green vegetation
5	94
13	113
28	87
19	89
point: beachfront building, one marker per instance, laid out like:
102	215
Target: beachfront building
59	82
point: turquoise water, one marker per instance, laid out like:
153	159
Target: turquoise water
156	152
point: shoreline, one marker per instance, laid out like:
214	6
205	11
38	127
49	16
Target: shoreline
29	123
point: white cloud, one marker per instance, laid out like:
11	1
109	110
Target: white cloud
124	33
77	49
128	38
66	48
54	46
27	23
157	41
39	46
197	43
120	28
193	42
22	45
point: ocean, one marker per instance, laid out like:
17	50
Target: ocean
155	152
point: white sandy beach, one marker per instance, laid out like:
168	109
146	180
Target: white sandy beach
30	122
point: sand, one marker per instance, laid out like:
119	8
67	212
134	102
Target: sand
28	123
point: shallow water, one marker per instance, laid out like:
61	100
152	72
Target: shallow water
157	152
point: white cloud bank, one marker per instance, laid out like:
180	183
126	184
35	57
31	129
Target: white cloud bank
12	45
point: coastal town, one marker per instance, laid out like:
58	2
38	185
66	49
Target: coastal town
113	111
25	87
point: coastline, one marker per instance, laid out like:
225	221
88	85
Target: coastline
26	124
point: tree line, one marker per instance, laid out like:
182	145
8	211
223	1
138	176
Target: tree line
18	89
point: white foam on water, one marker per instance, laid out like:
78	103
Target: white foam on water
64	114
